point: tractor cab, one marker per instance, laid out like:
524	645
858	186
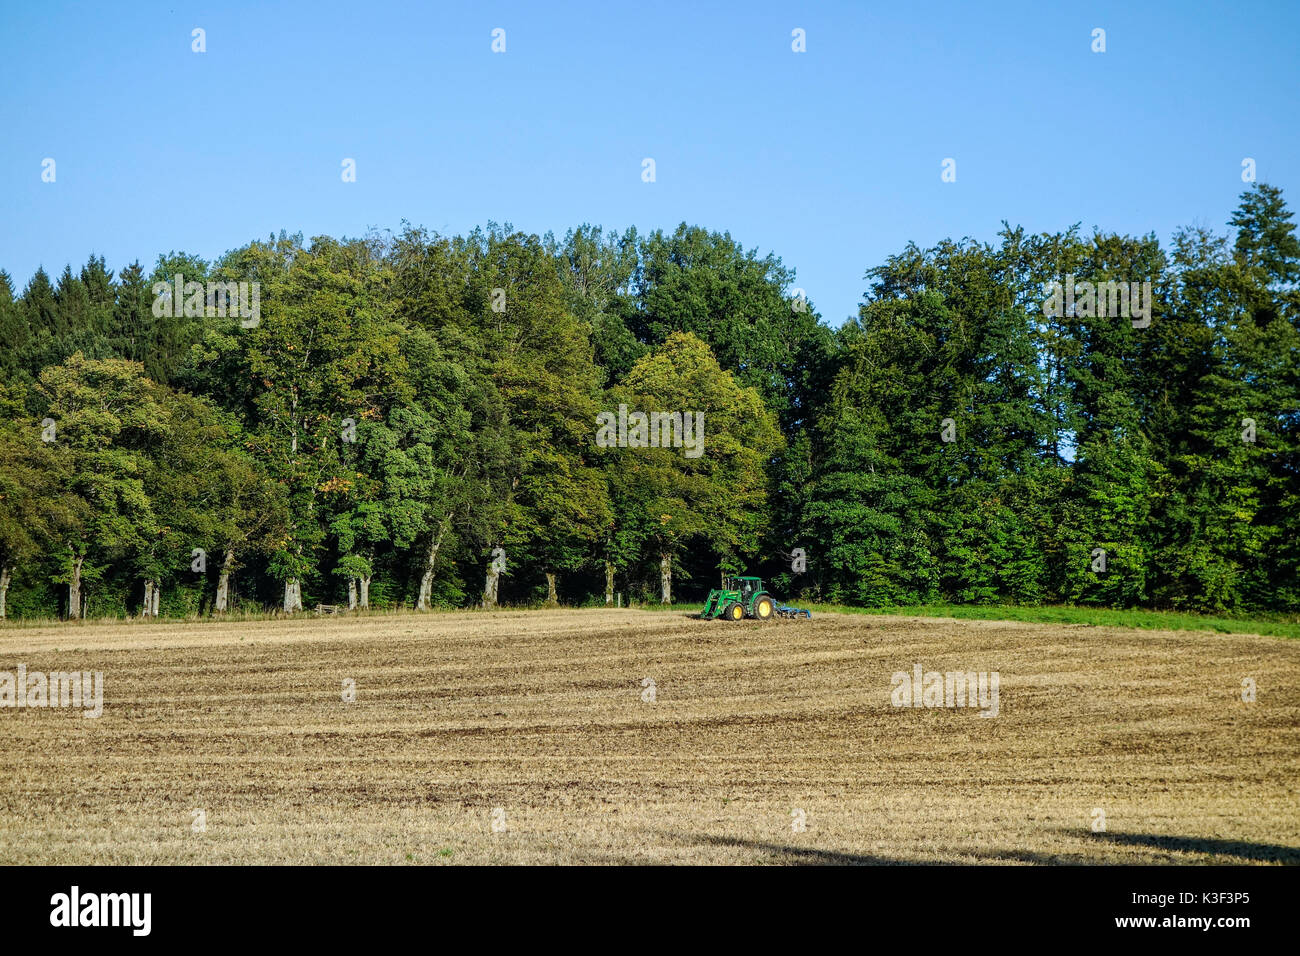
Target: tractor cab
745	585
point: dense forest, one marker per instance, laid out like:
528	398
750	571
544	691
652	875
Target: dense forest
411	420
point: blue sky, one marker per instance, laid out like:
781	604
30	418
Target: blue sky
829	158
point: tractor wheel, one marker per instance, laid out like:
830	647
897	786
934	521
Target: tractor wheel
763	608
735	612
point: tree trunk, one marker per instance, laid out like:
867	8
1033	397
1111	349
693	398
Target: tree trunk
552	596
74	590
292	595
352	594
666	578
223	583
365	593
4	590
425	601
609	582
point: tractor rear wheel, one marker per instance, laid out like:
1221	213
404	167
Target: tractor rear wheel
735	612
763	608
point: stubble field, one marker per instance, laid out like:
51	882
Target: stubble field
529	737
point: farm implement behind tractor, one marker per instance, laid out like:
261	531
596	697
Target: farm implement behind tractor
742	597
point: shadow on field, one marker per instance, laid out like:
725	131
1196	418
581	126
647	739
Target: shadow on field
814	856
797	855
792	855
1263	852
1032	857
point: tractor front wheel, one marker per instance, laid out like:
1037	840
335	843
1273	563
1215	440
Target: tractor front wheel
763	608
735	612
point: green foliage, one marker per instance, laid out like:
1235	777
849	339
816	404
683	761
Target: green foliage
408	404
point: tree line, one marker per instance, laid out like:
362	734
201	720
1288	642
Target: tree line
411	419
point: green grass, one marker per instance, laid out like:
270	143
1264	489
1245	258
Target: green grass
1278	625
1271	625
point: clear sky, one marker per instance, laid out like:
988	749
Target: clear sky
829	158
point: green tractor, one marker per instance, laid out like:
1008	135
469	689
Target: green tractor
739	598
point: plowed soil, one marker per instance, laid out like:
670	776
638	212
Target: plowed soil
535	737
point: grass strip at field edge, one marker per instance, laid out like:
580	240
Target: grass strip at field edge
1057	614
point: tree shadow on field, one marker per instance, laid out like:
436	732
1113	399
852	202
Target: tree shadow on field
1032	857
1261	852
1234	851
795	855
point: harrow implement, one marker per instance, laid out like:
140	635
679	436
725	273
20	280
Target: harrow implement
785	610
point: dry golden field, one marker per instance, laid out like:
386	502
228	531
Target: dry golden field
536	720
